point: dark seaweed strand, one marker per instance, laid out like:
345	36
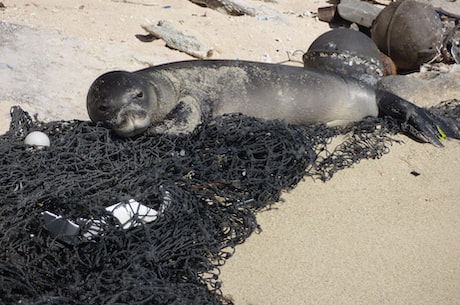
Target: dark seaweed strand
215	180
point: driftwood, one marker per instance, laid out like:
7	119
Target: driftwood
178	40
238	8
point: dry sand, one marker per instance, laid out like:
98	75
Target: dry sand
374	234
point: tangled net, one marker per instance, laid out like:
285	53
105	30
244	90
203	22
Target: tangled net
206	187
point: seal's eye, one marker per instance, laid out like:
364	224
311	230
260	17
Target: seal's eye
102	108
140	94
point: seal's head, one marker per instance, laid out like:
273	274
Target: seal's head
122	101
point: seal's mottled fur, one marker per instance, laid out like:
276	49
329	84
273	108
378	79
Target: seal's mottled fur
176	97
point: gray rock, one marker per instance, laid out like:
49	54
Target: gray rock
427	88
48	73
357	11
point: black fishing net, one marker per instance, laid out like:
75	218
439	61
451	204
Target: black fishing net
60	244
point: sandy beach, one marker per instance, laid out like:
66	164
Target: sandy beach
374	234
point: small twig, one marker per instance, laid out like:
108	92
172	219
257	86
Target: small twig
136	3
289	55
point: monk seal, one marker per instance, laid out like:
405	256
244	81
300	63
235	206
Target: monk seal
175	97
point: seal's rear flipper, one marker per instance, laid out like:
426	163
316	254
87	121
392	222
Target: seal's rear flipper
420	123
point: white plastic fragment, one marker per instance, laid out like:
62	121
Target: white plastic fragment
167	200
58	225
455	51
132	213
93	227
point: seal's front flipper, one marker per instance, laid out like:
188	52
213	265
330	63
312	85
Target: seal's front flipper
183	119
418	122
